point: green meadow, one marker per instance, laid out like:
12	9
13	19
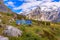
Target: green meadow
39	30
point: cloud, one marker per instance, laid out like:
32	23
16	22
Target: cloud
49	4
32	4
20	0
29	0
38	0
47	0
5	0
26	6
10	3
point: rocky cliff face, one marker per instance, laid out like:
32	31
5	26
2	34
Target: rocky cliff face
3	8
45	15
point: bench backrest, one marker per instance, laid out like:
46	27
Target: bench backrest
28	22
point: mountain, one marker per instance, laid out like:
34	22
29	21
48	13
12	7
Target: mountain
41	12
3	8
37	31
44	13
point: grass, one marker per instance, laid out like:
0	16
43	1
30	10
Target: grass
38	31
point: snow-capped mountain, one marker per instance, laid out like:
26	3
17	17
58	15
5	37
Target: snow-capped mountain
45	13
39	10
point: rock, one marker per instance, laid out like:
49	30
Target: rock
3	38
15	16
0	20
1	15
12	31
11	20
1	25
41	14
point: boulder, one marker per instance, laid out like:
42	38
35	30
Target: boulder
11	20
12	31
0	20
3	38
0	15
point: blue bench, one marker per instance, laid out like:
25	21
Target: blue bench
18	21
28	22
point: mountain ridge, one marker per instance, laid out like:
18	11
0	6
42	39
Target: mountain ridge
4	8
46	14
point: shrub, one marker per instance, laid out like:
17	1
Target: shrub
9	14
21	16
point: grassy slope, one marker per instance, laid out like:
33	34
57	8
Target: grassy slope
38	30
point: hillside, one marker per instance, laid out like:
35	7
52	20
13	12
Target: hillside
3	8
39	30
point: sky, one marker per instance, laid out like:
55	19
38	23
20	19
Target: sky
19	6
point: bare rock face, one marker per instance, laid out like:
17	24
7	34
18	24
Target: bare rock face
3	8
12	31
45	15
3	38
